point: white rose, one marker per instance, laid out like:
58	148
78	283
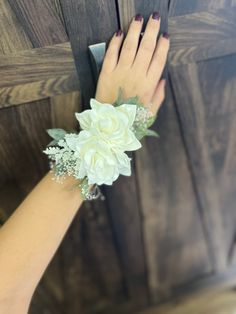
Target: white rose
112	124
97	161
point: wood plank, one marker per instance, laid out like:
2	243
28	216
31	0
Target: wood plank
91	269
31	92
10	197
21	156
84	31
199	297
210	303
180	7
34	74
202	52
208	121
57	6
172	225
40	21
36	65
125	214
213	36
63	110
200	28
128	9
12	36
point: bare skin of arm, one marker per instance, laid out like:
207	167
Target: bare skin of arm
31	236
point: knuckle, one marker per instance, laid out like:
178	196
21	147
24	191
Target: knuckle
162	55
148	45
111	52
129	45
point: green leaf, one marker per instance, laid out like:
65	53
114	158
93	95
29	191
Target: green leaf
56	134
119	99
139	134
54	142
131	100
151	133
151	120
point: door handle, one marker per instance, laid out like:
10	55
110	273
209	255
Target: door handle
97	53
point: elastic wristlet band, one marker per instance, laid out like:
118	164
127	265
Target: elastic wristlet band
96	155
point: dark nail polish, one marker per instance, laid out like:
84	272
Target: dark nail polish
166	35
138	17
156	15
119	32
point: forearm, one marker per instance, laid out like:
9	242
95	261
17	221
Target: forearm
30	237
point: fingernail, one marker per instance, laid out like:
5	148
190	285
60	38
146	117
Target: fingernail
138	17
156	15
166	35
119	32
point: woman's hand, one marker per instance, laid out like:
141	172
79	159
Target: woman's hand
137	70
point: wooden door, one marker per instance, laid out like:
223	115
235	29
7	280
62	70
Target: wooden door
170	227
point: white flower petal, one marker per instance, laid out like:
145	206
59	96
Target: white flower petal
82	171
129	110
84	119
124	164
71	140
94	104
132	142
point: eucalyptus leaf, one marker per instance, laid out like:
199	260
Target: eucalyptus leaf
119	100
151	120
57	134
131	100
151	133
54	142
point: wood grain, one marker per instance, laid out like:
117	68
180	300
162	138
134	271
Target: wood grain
202	35
29	92
36	65
210	303
167	193
202	52
40	21
34	74
64	116
212	294
91	269
201	28
128	9
205	130
181	7
87	23
12	36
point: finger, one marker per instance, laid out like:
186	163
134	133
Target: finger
131	41
158	97
148	42
112	53
159	58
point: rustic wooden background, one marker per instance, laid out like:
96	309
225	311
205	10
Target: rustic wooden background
168	230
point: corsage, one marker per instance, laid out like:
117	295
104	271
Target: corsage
96	154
